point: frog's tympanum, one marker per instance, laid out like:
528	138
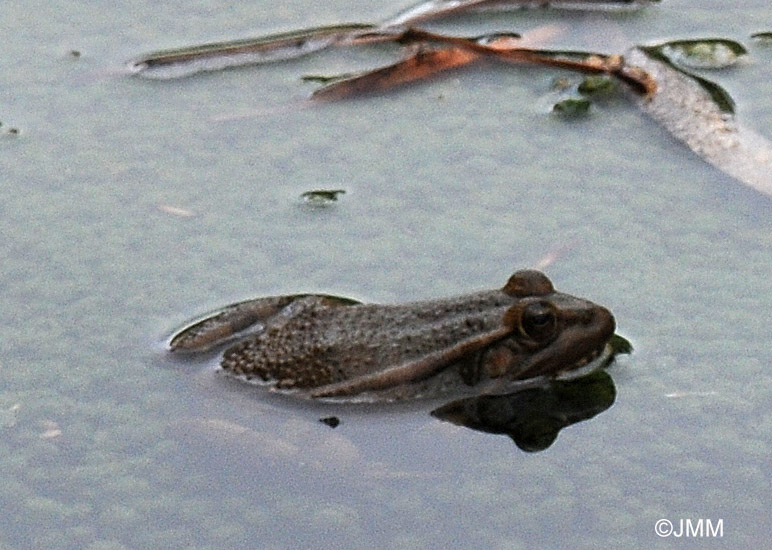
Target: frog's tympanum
319	346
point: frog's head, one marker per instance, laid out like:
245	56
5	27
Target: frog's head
549	332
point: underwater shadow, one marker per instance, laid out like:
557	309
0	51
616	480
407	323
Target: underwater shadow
533	417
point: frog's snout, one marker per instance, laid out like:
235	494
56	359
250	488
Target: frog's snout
604	320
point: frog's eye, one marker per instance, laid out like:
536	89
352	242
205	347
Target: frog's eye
538	321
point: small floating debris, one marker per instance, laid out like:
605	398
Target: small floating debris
680	394
75	54
575	97
176	211
705	53
562	84
331	421
554	254
11	130
50	428
572	106
324	79
321	197
9	416
597	84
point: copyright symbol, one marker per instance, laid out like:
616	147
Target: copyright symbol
663	528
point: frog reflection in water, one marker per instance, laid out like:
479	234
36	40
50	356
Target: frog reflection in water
318	346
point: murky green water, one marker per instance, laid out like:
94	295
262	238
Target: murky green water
450	186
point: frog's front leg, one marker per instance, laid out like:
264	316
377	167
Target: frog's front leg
224	324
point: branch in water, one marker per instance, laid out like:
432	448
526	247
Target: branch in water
462	51
416	67
691	113
180	62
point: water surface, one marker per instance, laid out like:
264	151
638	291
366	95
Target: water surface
450	186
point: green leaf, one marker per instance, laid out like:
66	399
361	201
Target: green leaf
620	345
572	106
597	84
762	37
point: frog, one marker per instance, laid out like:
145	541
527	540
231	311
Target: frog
325	347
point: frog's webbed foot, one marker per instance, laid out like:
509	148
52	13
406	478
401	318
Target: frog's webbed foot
255	315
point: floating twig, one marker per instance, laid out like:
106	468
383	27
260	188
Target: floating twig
214	56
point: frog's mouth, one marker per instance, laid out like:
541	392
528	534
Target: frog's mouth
594	361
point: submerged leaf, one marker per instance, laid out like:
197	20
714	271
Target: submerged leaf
762	37
718	94
704	53
596	84
572	106
574	95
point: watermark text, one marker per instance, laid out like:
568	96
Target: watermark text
690	528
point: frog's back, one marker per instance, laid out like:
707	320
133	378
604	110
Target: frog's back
322	345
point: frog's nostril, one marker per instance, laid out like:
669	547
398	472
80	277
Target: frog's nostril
605	319
585	316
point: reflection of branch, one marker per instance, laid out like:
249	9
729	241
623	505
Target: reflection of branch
435	9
